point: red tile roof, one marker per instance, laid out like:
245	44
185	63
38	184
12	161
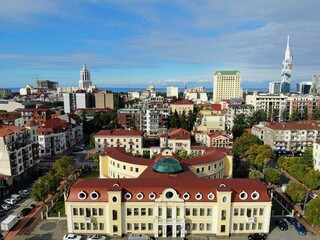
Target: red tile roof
53	125
8	130
182	102
217	134
211	154
180	133
180	185
121	154
216	107
302	125
35	110
119	132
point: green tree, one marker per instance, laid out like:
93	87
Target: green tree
275	115
307	157
43	186
92	142
257	117
96	157
294	116
312	179
183	120
243	143
174	120
312	212
239	124
63	166
271	175
305	113
296	192
254	173
316	114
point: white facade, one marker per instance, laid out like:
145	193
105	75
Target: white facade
133	95
69	102
316	155
226	85
52	144
274	87
85	80
208	121
172	92
236	109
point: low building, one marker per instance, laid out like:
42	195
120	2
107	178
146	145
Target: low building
165	199
177	140
210	120
130	139
39	115
316	155
182	106
11	118
292	136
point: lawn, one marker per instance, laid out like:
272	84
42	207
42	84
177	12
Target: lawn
58	207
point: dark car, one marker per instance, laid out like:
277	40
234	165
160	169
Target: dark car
300	229
282	225
257	236
24	212
291	220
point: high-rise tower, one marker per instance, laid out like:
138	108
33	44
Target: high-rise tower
226	85
286	70
85	81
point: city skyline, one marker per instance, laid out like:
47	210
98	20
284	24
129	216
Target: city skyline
160	43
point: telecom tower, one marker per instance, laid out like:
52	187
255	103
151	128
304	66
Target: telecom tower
286	70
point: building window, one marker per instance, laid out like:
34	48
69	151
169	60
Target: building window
259	226
95	226
201	211
223	228
82	226
100	211
136	226
150	226
94	212
261	211
150	211
187	211
129	227
81	210
223	215
255	212
129	211
76	226
137	169
235	226
115	228
143	211
75	211
242	211
254	226
241	227
247	226
88	212
208	226
88	226
194	211
194	226
136	211
114	215
143	226
209	212
236	212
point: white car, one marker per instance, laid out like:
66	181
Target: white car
71	236
96	237
313	195
23	193
6	206
10	201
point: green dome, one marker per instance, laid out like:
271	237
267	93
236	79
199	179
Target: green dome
167	165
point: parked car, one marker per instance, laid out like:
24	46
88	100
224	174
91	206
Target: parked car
257	236
24	212
6	206
283	226
16	197
300	229
24	193
10	201
96	237
71	236
313	195
291	220
32	206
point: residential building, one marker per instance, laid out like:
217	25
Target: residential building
234	110
104	99
11	118
16	155
75	133
273	104
196	95
172	92
226	85
85	79
302	103
291	136
69	102
182	106
28	90
47	84
167	198
316	155
218	140
130	139
76	100
52	137
177	140
154	120
133	95
129	118
39	115
11	106
274	87
304	87
210	120
258	129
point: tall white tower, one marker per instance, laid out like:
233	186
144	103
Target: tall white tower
85	81
286	70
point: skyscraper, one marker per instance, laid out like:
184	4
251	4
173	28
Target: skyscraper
286	70
226	85
85	81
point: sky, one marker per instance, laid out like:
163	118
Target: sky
137	43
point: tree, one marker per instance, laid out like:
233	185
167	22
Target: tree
63	166
183	120
239	124
244	142
316	114
271	175
257	117
92	142
304	115
294	116
296	192
254	173
174	120
307	157
312	212
39	189
275	115
96	157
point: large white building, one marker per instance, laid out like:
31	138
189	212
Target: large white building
172	92
85	79
226	85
